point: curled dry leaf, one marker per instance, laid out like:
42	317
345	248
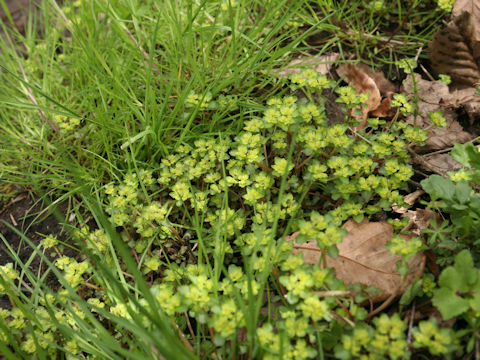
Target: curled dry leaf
363	258
385	108
412	197
455	49
320	63
356	77
432	96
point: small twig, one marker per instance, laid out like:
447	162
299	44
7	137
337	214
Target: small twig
410	324
395	117
417	158
383	38
426	72
182	336
360	136
280	286
189	325
449	149
419	51
333	293
92	286
341	318
414	183
176	235
388	301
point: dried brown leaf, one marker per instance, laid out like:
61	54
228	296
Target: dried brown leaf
363	258
466	99
385	108
473	8
322	64
412	197
356	77
384	85
440	163
455	49
432	96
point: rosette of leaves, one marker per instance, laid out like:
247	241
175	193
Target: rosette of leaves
459	290
460	199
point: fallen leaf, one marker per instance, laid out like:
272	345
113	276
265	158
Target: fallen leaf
440	163
432	97
384	85
472	7
412	197
356	77
419	220
320	63
467	99
455	49
385	108
363	258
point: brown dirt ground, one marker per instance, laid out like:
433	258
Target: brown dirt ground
21	214
18	10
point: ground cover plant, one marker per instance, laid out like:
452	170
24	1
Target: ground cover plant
179	160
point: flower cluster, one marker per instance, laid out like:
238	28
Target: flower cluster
7	275
437	119
386	340
446	5
67	123
438	341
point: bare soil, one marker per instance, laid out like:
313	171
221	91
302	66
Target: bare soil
20	216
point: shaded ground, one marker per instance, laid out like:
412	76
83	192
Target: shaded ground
18	10
21	213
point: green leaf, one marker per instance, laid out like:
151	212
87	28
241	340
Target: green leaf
402	267
448	303
332	251
471	343
411	292
475	301
466	154
462	192
439	187
359	218
465	268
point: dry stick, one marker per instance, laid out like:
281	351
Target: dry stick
419	51
427	73
410	324
333	293
189	325
341	318
388	301
385	39
360	136
183	337
419	159
34	101
449	149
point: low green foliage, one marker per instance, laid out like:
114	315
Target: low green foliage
459	290
458	197
163	127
